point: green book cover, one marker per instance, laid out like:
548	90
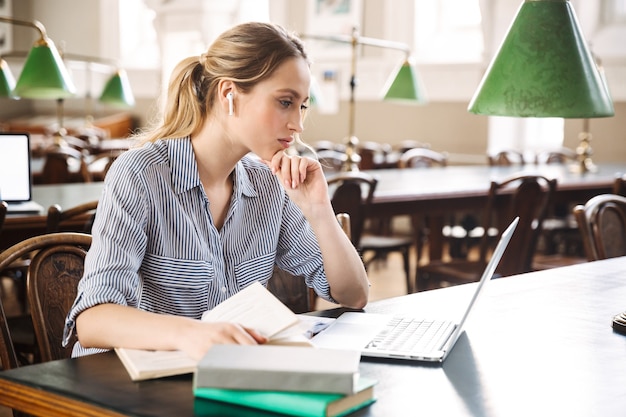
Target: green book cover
300	404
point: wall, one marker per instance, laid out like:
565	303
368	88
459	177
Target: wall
443	121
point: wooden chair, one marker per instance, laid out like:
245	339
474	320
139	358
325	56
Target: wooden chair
560	242
506	157
526	196
422	158
292	290
3	212
75	219
100	163
19	323
408	144
53	278
63	164
373	155
602	223
556	156
619	186
352	192
332	161
53	274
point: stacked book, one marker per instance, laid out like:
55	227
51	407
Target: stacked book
295	381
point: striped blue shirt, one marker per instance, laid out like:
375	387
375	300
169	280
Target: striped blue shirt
155	246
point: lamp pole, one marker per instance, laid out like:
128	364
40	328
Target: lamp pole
353	159
352	155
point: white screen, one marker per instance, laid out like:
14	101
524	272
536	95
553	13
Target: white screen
14	167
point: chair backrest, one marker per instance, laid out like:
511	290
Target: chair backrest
352	193
332	161
619	185
526	196
506	158
53	275
556	156
407	144
63	164
422	157
52	284
602	224
100	163
372	154
75	219
3	212
292	290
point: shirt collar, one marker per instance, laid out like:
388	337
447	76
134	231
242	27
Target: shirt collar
184	169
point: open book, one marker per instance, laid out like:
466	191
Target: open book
253	307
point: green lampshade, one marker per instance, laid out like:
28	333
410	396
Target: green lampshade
7	82
405	86
117	91
44	75
543	68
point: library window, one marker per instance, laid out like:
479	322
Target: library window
448	31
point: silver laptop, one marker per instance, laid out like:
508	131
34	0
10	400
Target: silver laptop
412	338
15	173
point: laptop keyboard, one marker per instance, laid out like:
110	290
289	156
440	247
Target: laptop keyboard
412	335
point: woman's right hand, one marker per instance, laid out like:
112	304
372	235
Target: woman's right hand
200	336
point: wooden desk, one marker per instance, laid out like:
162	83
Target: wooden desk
437	191
498	368
434	191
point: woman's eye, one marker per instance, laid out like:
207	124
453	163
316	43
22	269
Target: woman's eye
286	103
304	107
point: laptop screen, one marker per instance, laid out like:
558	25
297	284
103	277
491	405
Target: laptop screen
15	174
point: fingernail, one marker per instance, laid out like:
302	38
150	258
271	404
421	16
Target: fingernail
293	184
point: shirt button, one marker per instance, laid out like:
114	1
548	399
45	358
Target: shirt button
224	289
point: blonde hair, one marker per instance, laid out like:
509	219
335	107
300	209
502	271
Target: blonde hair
246	54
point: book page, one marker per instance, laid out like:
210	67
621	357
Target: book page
256	308
148	364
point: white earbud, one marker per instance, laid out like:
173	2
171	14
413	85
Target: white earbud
229	97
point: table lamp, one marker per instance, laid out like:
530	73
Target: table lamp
404	85
117	91
7	81
44	75
544	69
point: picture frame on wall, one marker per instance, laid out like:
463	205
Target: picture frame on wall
332	17
5	29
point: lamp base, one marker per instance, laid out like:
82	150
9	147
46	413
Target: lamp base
353	159
586	165
58	137
584	152
619	323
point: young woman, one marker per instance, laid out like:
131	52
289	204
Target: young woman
210	203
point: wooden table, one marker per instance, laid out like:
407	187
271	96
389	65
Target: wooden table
538	344
439	191
430	191
18	227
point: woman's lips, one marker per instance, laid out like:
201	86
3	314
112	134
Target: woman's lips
285	143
